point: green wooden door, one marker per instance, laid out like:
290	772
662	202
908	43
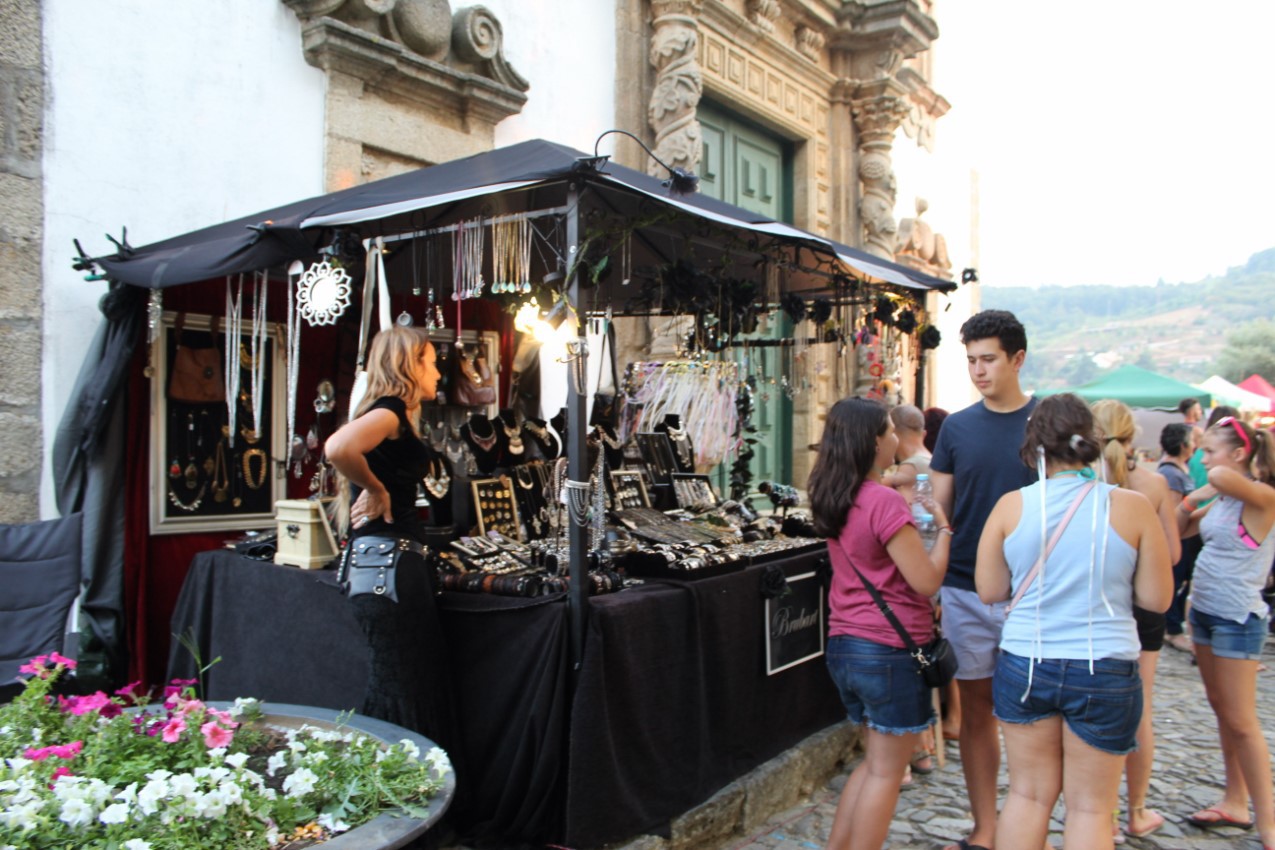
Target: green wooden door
744	165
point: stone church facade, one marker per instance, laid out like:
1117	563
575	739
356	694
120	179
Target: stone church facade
403	84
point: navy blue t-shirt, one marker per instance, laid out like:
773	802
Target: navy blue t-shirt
979	448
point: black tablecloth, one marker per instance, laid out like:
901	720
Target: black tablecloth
672	701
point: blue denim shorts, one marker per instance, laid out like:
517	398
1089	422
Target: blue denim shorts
880	685
1102	708
1228	638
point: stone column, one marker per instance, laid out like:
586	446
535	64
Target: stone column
678	84
878	111
21	244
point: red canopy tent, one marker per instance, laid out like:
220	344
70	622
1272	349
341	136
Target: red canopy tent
1257	384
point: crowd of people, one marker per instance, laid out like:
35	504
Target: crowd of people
1060	568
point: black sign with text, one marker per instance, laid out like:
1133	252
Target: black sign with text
795	624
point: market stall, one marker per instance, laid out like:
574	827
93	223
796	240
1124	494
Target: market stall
253	333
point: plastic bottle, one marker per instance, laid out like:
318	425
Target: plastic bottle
921	514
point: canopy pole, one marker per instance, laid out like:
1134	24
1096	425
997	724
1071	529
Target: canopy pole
577	449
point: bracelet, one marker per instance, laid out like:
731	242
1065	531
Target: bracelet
1190	508
947	529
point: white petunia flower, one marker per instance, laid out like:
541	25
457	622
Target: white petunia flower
439	762
300	783
410	748
332	824
277	762
76	812
237	760
137	844
114	813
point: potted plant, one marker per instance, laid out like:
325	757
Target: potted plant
121	772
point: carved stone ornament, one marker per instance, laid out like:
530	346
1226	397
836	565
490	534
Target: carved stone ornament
920	247
678	84
809	42
762	14
876	117
416	48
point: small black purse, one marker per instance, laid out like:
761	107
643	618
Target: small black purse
936	660
369	565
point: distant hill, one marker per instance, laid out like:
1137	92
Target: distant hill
1077	333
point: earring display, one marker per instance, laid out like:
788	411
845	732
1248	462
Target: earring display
630	491
495	506
657	454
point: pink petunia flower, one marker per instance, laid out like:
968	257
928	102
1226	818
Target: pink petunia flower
224	717
83	705
57	658
129	691
61	771
215	735
188	707
176	689
173	730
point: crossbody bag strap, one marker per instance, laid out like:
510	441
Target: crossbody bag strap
1053	541
882	605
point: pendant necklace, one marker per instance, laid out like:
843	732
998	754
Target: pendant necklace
484	443
515	438
191	472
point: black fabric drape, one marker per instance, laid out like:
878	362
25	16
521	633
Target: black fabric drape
288	635
88	478
674	703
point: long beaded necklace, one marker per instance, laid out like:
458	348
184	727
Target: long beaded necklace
234	333
257	363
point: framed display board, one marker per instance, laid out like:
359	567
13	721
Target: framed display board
657	454
794	624
199	482
495	506
694	491
630	489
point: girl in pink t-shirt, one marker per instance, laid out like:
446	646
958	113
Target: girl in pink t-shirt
870	526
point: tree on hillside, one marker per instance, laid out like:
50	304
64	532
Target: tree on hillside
1250	349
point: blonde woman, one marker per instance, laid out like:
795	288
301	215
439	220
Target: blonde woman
1117	430
381	458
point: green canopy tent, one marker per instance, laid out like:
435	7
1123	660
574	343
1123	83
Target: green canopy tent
1137	387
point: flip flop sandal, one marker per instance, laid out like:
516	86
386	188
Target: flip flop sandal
917	766
1221	819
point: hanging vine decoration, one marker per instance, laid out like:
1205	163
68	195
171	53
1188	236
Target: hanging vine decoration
741	472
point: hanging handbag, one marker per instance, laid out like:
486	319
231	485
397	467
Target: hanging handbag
374	286
369	565
936	661
196	376
471	385
606	400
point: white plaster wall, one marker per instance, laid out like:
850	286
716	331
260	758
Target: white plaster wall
166	117
566	50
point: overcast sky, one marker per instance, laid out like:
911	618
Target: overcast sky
1117	141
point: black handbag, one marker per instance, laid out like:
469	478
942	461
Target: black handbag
369	565
936	661
606	405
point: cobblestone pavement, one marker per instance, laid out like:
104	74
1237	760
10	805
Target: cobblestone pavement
932	811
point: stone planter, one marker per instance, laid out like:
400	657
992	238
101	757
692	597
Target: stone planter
386	831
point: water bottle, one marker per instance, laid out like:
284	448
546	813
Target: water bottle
921	514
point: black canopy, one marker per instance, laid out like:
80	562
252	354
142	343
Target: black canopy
277	236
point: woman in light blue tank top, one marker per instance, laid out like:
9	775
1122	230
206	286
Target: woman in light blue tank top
1228	616
1067	680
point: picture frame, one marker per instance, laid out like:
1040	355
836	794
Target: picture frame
190	455
694	490
629	489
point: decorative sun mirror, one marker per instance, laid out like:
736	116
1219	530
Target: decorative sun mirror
323	293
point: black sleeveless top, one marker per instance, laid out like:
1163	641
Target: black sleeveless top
400	465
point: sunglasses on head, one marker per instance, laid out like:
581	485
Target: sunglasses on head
1239	429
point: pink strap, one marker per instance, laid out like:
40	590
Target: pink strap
1053	541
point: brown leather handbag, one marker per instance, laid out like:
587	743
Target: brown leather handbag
196	376
472	386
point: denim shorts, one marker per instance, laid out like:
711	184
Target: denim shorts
880	685
1102	708
1228	638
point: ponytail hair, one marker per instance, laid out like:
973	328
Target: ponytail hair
1264	456
1114	420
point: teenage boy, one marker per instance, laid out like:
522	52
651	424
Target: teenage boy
975	463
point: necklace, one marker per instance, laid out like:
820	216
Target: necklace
234	335
437	480
608	436
515	437
188	506
522	474
484	443
255	482
191	472
221	477
1084	472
